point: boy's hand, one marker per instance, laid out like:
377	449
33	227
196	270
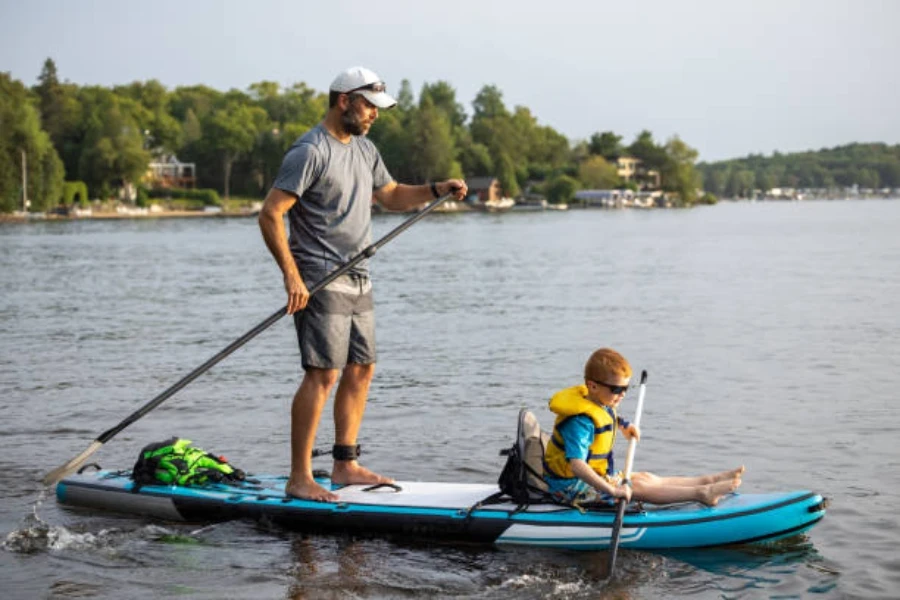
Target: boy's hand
632	431
622	491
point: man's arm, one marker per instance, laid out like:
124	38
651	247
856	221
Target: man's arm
271	223
401	197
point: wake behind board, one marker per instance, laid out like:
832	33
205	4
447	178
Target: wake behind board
452	511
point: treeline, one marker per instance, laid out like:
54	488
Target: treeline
106	137
871	166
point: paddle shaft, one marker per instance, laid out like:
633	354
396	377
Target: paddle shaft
343	269
629	461
73	464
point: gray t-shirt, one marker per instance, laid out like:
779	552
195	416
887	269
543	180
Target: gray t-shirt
331	221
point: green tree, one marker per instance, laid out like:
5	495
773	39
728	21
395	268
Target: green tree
596	173
644	148
231	132
391	135
606	144
57	103
678	172
298	104
740	183
443	97
548	151
432	153
889	171
493	127
292	112
162	132
191	128
874	164
112	153
475	158
506	173
61	115
488	103
715	180
868	178
199	99
406	99
560	189
764	180
20	131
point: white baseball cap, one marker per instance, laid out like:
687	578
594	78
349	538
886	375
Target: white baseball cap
364	82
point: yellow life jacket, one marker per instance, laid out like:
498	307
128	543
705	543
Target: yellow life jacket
569	403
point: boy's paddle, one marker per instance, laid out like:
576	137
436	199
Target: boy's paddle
58	473
629	460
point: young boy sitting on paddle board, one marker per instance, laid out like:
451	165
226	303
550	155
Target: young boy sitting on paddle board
578	463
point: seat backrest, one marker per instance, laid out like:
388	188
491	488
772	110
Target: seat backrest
522	477
532	443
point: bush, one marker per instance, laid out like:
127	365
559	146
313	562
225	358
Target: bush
207	196
186	204
75	191
560	189
143	197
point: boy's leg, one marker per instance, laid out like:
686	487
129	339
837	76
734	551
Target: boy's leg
692	481
652	490
581	493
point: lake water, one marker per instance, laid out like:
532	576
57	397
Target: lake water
770	333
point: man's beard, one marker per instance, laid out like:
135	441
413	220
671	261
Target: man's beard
352	124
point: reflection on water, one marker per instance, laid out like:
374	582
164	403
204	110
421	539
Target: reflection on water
768	331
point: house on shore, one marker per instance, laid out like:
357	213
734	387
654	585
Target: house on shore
486	193
484	189
169	172
630	169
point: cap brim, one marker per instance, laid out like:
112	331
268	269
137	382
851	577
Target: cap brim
379	99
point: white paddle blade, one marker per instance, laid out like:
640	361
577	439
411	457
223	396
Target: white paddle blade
73	465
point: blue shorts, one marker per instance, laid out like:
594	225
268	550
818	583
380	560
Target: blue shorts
579	492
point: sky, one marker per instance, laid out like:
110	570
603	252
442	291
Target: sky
730	78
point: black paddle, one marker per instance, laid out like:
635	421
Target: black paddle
55	475
629	460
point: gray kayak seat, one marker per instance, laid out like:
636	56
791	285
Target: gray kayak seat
532	441
522	478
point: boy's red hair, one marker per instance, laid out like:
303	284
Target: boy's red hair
605	364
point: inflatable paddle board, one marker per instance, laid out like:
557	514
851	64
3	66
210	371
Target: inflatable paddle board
465	512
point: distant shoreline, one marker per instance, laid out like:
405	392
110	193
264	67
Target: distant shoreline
109	216
20	217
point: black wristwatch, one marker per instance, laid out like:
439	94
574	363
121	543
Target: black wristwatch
434	191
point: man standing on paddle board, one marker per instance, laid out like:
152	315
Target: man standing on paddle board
326	186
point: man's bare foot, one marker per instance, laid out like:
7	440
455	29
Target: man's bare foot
308	489
346	472
712	493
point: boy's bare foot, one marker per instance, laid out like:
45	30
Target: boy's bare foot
308	490
729	475
346	472
712	493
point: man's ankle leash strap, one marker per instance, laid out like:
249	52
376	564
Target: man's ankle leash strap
345	452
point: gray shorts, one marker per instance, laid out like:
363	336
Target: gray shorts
338	325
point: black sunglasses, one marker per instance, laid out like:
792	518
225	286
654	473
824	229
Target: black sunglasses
615	389
377	87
